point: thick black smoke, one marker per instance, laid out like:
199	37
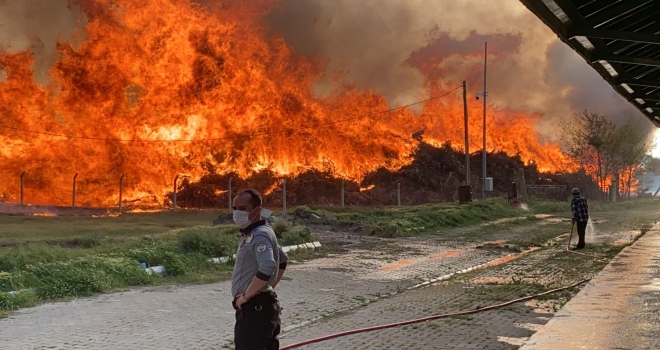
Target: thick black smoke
37	25
392	47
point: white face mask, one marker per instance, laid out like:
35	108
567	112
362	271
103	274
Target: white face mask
241	218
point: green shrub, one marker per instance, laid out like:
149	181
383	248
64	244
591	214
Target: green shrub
295	235
82	277
17	257
9	282
57	280
281	226
288	234
15	302
210	242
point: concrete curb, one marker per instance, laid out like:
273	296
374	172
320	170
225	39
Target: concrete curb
313	245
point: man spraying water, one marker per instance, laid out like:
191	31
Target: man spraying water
580	211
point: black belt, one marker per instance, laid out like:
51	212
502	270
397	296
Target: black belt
266	297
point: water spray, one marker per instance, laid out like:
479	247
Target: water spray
568	248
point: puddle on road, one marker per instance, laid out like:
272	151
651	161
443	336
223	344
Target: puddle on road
407	262
397	265
654	286
447	254
531	326
492	280
542	306
491	243
629	238
510	257
512	341
500	261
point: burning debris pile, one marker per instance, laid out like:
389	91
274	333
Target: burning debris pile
145	91
433	176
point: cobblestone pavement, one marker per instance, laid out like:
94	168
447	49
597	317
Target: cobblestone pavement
501	329
201	317
505	328
540	268
336	292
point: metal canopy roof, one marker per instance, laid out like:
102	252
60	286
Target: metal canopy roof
618	38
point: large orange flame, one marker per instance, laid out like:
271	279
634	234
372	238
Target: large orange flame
197	88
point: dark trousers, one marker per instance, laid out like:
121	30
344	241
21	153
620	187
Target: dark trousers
258	323
581	230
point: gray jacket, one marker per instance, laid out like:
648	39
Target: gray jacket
259	256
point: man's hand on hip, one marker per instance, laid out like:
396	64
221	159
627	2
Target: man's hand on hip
240	300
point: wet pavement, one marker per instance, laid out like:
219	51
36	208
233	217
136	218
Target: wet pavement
201	317
368	281
618	309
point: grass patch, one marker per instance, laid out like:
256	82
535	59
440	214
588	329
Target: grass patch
62	265
411	221
209	241
97	274
173	248
300	255
87	231
414	220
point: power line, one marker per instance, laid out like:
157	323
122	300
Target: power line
234	137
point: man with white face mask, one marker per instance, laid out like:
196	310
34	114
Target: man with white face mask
260	264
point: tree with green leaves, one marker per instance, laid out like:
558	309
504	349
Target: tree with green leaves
612	155
653	165
630	151
587	140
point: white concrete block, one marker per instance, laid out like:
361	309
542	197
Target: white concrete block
156	269
219	260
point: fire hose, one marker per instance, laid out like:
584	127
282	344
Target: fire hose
568	248
429	318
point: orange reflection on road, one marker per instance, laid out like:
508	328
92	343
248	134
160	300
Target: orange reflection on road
397	265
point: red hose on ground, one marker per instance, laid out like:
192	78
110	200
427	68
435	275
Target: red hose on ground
429	318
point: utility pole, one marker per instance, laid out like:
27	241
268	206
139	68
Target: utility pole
467	141
483	166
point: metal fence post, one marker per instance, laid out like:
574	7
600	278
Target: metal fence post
284	198
342	193
229	195
73	199
22	175
121	192
174	195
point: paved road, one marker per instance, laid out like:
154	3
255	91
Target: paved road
314	296
201	317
